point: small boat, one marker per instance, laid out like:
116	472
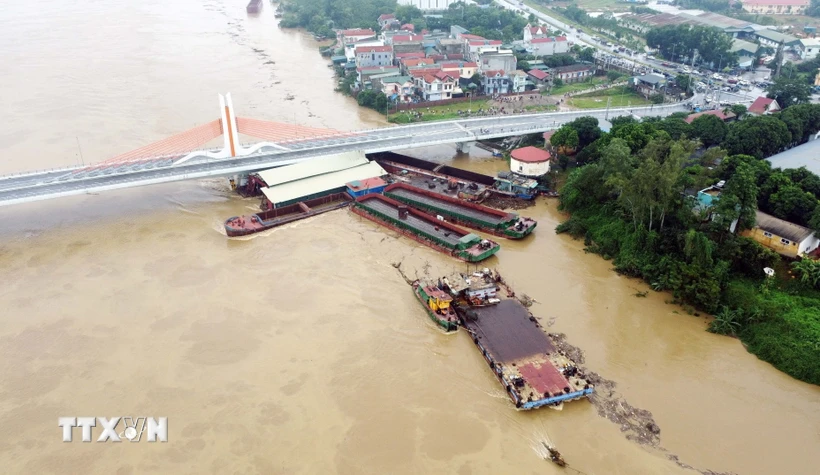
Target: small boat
437	304
254	6
555	456
245	225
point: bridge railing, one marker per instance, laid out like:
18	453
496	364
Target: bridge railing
41	171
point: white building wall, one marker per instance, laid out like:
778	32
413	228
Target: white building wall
809	244
529	168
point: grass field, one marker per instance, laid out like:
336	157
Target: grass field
621	97
578	86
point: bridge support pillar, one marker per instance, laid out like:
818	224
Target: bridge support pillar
464	147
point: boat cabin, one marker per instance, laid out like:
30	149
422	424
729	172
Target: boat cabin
521	187
437	299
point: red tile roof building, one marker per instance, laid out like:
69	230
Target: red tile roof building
530	161
763	105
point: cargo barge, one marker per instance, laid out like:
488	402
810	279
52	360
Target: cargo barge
472	215
436	303
425	229
520	354
244	225
254	6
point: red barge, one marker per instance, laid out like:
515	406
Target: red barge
244	225
425	229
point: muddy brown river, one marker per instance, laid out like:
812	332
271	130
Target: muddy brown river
302	350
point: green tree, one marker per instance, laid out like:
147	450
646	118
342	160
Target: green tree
739	197
761	136
709	129
793	204
683	82
739	110
565	137
587	128
809	272
789	91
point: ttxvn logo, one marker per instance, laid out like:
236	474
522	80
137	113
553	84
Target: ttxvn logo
132	428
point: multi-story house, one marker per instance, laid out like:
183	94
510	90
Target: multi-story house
436	87
370	56
496	82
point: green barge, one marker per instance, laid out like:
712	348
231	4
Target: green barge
473	215
424	228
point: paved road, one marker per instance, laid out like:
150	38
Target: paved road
50	184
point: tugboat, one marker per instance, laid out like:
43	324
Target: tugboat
437	304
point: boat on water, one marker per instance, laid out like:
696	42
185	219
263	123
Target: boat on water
244	225
254	6
437	304
424	228
461	212
524	359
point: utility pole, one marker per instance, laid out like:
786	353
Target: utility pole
608	102
779	58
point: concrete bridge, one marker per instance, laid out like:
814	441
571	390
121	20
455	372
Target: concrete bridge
172	159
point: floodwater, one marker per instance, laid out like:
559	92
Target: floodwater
302	350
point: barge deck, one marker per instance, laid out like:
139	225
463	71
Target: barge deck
424	228
476	216
245	225
521	355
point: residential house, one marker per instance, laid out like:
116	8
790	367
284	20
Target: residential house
776	7
407	64
781	236
496	82
437	87
354	35
370	56
408	27
350	48
397	88
763	106
649	84
474	47
401	56
538	77
724	116
386	19
363	75
549	46
495	60
538	31
402	37
460	69
456	31
574	73
469	37
450	46
519	81
809	47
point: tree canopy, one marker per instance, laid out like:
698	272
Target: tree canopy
713	44
789	91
